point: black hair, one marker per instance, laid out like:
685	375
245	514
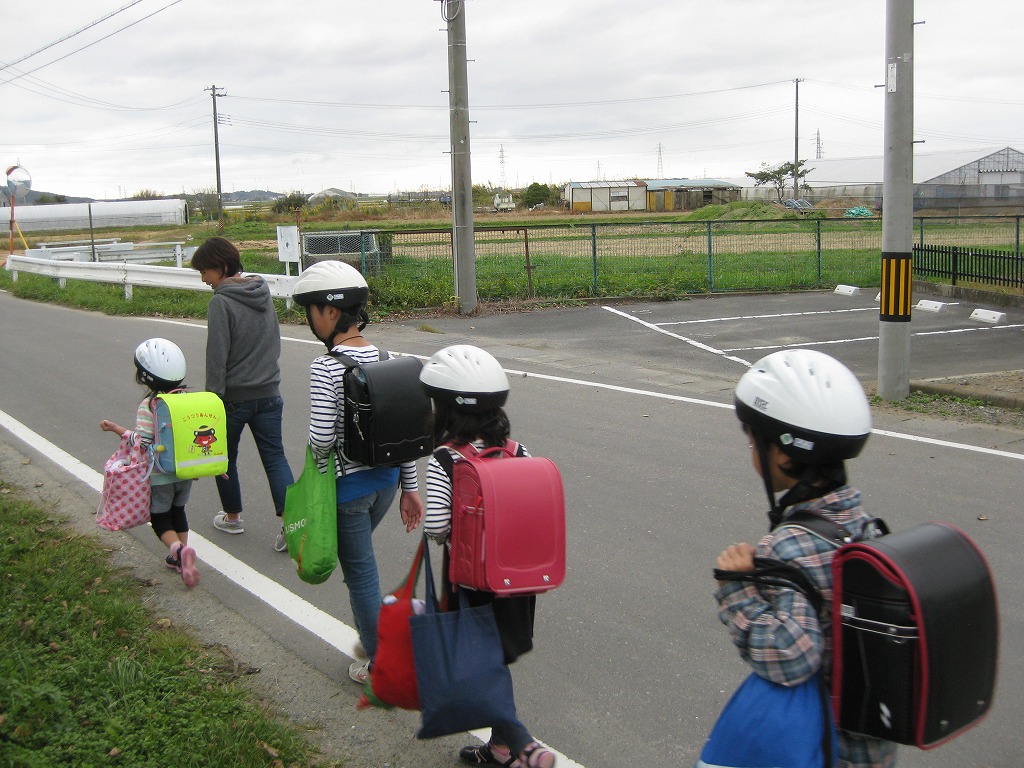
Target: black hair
350	316
455	426
153	385
813	480
217	253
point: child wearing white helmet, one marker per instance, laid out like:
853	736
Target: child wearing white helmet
803	414
334	295
468	388
160	367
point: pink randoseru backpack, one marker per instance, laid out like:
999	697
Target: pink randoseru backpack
126	491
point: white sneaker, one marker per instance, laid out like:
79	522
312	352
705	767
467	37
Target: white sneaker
221	523
280	543
359	671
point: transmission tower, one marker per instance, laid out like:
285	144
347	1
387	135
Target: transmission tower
818	149
661	170
501	165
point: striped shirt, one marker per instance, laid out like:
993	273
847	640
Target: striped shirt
327	411
776	629
437	520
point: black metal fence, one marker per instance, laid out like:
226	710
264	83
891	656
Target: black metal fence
978	265
665	259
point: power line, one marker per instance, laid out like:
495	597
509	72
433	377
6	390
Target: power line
94	42
69	36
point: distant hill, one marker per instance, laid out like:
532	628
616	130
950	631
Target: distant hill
249	196
51	197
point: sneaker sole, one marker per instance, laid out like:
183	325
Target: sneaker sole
232	530
189	572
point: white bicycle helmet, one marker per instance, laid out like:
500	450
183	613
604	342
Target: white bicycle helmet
466	378
807	403
331	282
161	363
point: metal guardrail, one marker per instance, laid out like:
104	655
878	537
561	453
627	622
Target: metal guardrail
131	275
113	250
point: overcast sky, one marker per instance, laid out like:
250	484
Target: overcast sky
108	97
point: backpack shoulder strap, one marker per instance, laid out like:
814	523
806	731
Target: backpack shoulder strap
817	525
834	533
348	362
775	573
446	460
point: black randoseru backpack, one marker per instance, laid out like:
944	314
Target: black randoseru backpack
387	411
915	629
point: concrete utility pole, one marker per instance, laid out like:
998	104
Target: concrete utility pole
216	150
463	240
796	142
897	203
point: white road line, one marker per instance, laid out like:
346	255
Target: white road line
709	403
697	344
766	317
869	338
335	633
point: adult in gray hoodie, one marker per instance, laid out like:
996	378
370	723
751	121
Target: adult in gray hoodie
243	344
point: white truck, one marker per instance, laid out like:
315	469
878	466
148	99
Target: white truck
503	202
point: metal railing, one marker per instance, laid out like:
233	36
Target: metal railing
131	275
979	265
649	259
112	249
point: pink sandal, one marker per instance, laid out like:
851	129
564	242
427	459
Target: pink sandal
536	756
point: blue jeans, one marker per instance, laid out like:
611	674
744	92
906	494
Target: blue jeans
263	417
357	519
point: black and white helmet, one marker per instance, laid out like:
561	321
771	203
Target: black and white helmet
334	283
161	364
465	377
807	403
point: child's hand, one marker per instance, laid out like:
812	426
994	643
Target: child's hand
736	557
108	426
410	506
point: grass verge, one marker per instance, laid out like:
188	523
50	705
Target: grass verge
89	678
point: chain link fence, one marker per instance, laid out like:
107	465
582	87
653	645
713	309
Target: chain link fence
655	259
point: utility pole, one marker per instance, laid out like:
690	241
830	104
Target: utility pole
463	240
897	203
216	151
796	142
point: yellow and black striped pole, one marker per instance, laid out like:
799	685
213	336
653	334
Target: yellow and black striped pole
897	287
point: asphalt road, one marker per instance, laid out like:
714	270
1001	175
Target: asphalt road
633	403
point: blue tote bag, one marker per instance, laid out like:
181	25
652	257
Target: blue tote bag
767	725
461	674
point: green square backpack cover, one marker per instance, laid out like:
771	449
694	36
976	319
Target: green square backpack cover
189	435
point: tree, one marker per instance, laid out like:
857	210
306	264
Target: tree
47	199
540	193
146	194
779	177
203	203
289	202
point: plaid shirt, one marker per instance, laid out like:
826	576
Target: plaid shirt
777	631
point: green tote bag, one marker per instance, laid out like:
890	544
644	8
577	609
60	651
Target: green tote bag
311	521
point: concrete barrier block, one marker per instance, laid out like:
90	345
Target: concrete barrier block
927	305
847	290
988	316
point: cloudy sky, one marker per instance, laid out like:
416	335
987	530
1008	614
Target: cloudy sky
108	97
